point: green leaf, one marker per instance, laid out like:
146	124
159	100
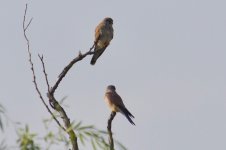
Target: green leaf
100	144
87	133
85	127
81	138
102	132
93	144
78	124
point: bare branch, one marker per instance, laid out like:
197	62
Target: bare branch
33	71
111	141
44	71
28	24
68	67
52	100
25	28
54	103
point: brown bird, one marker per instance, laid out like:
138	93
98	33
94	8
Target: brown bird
116	104
103	35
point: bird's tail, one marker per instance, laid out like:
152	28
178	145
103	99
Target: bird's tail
127	114
93	61
130	120
97	53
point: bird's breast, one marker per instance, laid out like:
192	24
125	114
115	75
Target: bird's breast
112	106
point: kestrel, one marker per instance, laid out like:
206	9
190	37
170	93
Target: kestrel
103	35
116	104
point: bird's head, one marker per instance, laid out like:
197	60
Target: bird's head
111	88
108	20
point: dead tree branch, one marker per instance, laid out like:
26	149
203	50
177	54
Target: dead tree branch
25	27
44	71
54	103
111	141
51	90
68	67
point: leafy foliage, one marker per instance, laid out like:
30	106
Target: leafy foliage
27	139
85	133
93	135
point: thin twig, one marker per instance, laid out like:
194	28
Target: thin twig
28	24
44	71
25	28
33	71
111	141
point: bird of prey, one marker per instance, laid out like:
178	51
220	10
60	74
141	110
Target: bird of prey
103	35
116	104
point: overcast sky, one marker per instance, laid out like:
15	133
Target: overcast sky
167	61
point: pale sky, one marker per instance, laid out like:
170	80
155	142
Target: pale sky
167	61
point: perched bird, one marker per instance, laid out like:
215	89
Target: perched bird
116	104
103	35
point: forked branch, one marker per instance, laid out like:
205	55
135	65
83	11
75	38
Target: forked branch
52	100
25	27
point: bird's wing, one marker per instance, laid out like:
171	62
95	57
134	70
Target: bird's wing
117	100
112	33
98	31
114	98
